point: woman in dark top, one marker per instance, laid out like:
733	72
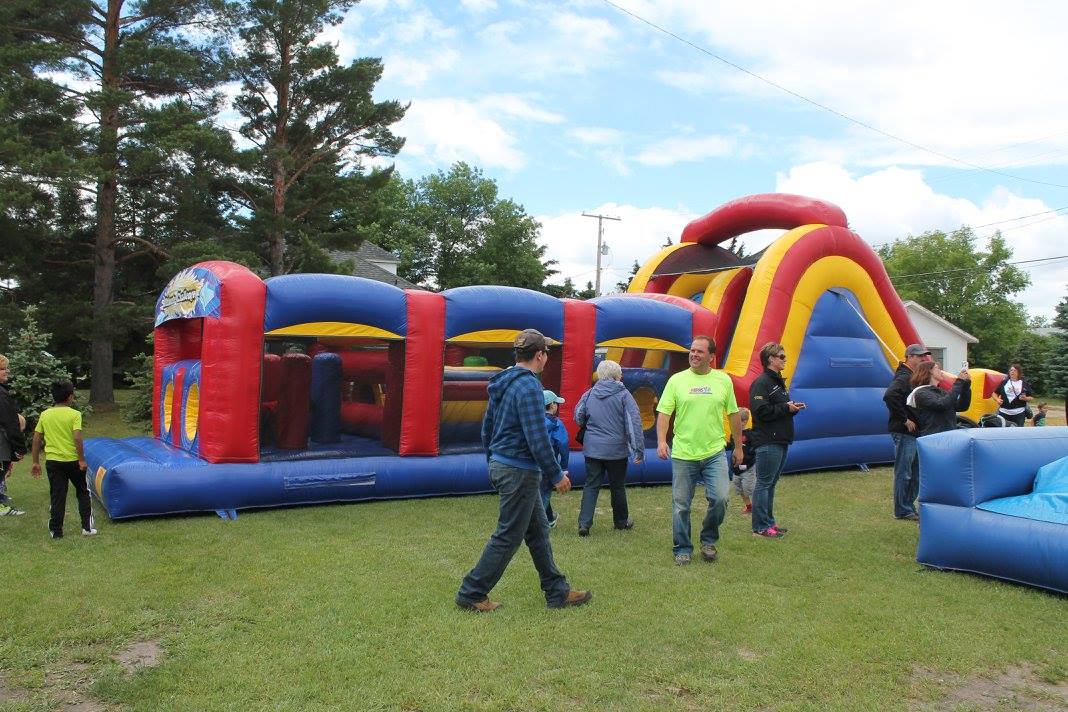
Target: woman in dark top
1012	396
936	408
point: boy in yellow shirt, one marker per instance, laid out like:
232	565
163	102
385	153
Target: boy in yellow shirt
61	429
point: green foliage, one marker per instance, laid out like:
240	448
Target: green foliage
138	409
1055	374
969	287
33	368
1033	354
452	229
624	284
1060	321
313	123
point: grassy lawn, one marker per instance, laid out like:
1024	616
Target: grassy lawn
351	607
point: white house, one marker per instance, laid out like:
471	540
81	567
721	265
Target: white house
948	343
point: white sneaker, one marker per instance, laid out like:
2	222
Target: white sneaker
88	532
6	511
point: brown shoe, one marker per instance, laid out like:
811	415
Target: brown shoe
484	606
708	552
575	598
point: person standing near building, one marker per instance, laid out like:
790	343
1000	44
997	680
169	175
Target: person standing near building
699	397
903	429
518	450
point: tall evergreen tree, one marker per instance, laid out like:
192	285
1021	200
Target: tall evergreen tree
313	124
120	62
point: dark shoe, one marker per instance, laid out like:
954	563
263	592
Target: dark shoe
709	553
769	533
584	531
575	598
55	535
682	559
485	606
777	528
911	517
629	524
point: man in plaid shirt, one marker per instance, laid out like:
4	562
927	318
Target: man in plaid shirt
518	450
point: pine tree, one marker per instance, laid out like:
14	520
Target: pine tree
33	368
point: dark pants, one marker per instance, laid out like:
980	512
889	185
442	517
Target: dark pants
906	474
768	462
521	518
596	470
60	474
1019	419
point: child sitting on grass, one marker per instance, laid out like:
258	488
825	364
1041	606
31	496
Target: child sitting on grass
744	476
60	427
561	448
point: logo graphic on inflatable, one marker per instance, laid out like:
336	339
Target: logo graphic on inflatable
192	293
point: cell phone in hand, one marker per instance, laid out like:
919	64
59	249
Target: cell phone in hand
964	365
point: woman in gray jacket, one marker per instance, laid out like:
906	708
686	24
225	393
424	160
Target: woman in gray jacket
613	432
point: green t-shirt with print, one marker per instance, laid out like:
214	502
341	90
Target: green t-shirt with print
699	403
58	424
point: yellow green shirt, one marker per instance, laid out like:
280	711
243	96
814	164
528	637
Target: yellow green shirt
57	425
699	404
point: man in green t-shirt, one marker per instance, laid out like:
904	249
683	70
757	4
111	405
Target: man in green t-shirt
59	430
699	397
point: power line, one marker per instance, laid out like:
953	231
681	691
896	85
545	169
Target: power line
824	107
906	279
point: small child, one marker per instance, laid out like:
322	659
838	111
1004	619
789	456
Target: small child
12	441
61	429
744	476
1040	415
561	447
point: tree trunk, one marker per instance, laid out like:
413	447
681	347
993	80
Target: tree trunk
276	235
101	388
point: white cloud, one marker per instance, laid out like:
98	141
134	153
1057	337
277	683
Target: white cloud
596	135
892	203
411	71
449	130
682	149
964	78
479	6
641	232
518	107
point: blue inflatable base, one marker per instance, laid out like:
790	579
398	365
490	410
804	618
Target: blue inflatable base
144	477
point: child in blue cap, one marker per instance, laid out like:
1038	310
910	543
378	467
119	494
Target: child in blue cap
561	447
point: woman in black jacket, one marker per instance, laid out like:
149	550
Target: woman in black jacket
1012	396
936	408
773	431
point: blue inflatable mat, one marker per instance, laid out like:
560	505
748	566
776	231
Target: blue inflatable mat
1048	502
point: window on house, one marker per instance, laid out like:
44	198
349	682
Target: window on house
938	354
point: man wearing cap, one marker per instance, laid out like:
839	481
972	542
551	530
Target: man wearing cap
518	450
902	427
699	397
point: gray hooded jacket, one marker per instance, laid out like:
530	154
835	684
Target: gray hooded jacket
613	422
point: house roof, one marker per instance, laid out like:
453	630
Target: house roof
920	309
363	266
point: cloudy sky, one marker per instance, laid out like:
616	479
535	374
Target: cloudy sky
911	116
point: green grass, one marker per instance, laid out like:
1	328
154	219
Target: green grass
351	607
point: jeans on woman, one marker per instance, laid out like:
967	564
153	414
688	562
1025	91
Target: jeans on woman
596	469
521	518
768	462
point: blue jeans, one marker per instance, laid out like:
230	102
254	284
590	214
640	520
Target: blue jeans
596	471
768	461
906	474
685	474
522	518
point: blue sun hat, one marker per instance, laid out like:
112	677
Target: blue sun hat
551	397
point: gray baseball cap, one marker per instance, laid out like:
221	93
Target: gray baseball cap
917	350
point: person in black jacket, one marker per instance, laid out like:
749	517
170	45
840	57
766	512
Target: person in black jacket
12	441
1012	396
902	427
773	431
936	408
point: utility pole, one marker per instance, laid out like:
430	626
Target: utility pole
600	250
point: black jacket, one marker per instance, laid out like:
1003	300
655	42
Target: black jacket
895	396
9	422
773	423
1011	400
937	409
748	456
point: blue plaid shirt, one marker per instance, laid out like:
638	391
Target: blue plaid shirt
513	430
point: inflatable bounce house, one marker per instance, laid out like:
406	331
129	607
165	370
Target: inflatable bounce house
310	388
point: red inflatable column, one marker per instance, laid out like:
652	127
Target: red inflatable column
394	406
423	373
580	334
230	362
173	341
294	404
